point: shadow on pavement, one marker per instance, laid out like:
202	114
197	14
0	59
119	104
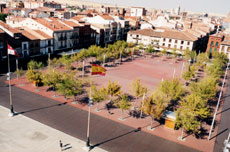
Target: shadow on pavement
224	110
60	104
133	131
219	133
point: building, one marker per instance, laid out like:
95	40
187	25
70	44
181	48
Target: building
11	37
214	43
163	39
63	36
137	11
225	45
107	28
33	3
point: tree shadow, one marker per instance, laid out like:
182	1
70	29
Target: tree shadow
219	133
111	139
37	109
203	133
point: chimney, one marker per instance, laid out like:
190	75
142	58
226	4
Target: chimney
191	25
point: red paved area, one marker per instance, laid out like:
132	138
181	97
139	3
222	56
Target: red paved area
150	71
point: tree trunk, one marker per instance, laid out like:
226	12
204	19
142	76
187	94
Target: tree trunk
151	123
122	114
182	133
97	106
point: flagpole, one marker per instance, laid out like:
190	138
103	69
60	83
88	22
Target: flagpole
90	104
10	91
17	66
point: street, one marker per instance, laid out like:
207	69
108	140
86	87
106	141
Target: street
106	134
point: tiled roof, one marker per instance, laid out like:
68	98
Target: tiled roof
52	24
131	18
147	32
43	35
1	31
71	24
15	18
173	34
106	17
77	18
7	27
27	34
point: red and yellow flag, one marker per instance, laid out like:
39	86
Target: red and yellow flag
98	70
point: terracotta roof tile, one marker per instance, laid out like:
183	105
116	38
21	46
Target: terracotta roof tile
9	28
52	24
173	34
106	17
27	34
70	23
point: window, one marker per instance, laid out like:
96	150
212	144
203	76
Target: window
188	43
170	40
181	47
215	49
163	44
228	49
210	50
182	42
1	45
212	43
137	35
175	41
25	46
217	43
169	45
164	39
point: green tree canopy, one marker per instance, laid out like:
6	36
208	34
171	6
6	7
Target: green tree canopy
173	89
206	88
138	89
113	89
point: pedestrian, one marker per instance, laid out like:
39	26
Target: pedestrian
61	145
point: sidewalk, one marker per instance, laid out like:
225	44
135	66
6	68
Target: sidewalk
22	134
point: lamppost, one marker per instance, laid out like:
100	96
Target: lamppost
90	104
10	91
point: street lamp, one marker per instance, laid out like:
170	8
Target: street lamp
90	104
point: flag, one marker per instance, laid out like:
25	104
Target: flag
12	51
98	70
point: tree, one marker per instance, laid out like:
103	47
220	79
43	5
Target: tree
202	59
66	61
196	105
113	89
173	89
123	103
206	88
138	89
69	86
3	17
155	105
174	53
98	95
34	76
19	72
187	121
191	108
189	55
34	65
52	79
189	73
